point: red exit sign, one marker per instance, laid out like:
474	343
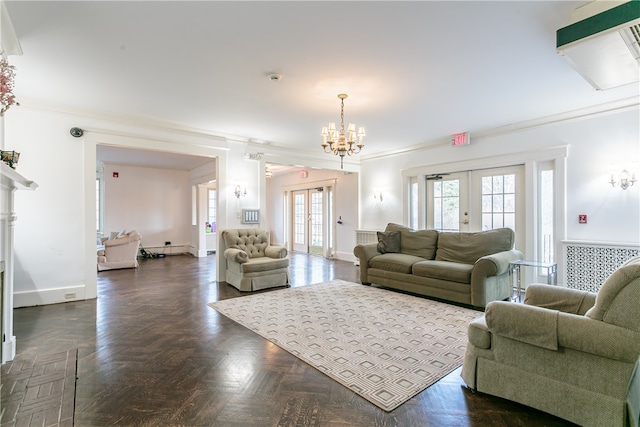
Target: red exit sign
460	139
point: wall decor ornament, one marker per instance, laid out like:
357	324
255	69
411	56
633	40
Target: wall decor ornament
10	158
7	74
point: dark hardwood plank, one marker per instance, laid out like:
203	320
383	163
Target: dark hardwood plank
152	353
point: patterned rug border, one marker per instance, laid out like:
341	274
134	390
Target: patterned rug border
417	342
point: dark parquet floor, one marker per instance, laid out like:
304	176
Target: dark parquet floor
152	353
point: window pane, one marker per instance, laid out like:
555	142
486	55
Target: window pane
486	185
498	203
510	183
497	184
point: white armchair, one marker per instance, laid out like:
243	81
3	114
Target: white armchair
121	252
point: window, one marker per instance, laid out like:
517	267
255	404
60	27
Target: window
211	210
413	203
546	240
499	201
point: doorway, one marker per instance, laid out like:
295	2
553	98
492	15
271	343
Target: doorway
308	225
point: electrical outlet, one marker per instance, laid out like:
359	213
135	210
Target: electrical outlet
69	295
167	243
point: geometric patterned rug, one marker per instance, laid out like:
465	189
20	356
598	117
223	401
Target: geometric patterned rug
39	391
385	346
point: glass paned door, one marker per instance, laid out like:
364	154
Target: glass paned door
447	203
308	221
300	221
316	223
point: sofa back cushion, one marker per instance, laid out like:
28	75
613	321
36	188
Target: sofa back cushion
253	241
468	247
420	243
618	300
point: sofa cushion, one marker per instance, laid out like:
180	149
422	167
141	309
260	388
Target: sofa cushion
399	263
255	265
420	243
444	270
388	242
468	247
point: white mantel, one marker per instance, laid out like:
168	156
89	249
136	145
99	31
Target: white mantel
10	181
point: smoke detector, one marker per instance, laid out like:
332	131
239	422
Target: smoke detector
274	76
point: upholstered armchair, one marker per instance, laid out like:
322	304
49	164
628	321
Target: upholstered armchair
252	263
571	353
120	252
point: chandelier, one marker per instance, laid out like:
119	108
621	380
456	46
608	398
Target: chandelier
342	143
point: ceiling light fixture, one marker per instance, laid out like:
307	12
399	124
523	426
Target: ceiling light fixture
340	143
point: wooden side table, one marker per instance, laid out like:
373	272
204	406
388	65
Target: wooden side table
551	267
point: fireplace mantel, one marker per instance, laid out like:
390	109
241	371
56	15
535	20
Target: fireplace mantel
10	181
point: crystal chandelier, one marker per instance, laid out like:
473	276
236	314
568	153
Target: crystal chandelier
341	143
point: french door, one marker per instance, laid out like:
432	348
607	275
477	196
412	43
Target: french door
308	221
477	200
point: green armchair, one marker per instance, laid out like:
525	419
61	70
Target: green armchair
571	353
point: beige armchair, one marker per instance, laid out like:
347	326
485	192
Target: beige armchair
120	252
566	352
252	264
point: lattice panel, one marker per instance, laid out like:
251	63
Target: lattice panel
366	236
587	266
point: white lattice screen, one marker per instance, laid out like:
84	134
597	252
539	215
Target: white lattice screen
588	264
366	236
363	237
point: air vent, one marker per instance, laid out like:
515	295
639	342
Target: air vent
603	43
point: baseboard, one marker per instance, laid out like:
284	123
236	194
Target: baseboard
345	256
49	296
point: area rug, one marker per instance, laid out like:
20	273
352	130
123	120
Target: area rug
383	345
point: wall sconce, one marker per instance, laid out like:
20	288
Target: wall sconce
10	158
625	180
377	195
238	192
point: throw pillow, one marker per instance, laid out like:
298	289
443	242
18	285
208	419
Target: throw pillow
388	242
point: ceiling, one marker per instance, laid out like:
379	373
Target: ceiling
415	72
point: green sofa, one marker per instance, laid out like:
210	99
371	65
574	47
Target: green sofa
571	353
466	268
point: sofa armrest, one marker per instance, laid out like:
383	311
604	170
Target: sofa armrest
236	255
275	252
101	252
365	253
558	298
528	324
496	264
552	329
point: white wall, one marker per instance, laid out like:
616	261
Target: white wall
155	202
594	142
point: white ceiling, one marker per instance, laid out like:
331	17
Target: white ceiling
415	72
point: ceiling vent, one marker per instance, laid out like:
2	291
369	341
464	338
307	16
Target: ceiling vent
602	42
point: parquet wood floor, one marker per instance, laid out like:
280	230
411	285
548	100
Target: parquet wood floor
152	353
